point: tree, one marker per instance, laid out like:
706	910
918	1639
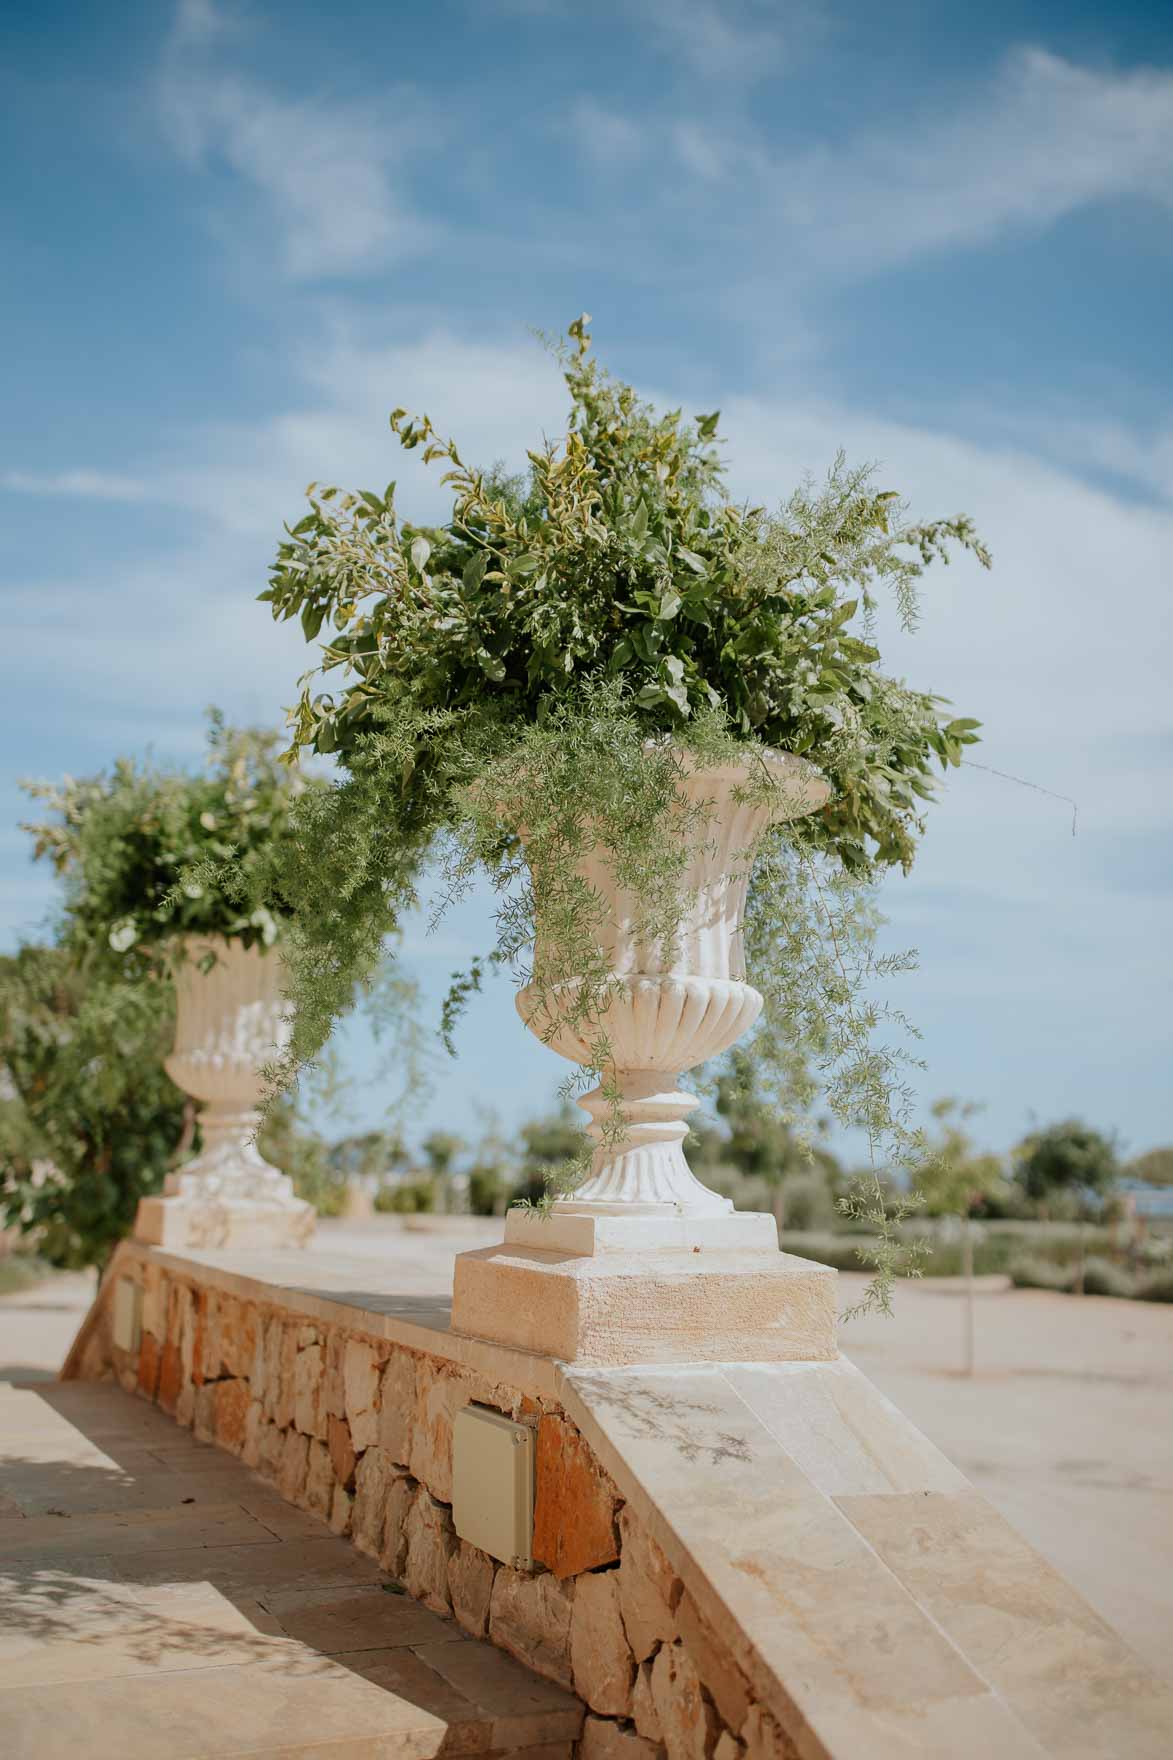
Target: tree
440	1151
1066	1158
369	1155
90	1121
955	1180
1156	1167
550	1145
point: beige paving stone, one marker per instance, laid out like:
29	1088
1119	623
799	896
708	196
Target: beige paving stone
210	1525
431	1541
601	1660
397	1400
468	1728
357	1617
523	1709
319	1711
255	1569
530	1617
470	1586
649	1588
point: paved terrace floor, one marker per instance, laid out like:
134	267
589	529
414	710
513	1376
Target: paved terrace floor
159	1599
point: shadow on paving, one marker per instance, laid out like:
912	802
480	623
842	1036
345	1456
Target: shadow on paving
153	1588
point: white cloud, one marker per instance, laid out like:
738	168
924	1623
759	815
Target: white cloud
329	173
606	136
719	39
91	485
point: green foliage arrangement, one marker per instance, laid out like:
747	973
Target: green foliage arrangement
140	850
551	657
89	1123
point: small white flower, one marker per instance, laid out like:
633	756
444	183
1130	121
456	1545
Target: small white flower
208	821
123	935
192	889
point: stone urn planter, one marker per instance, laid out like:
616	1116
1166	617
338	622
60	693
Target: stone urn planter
231	1020
666	1011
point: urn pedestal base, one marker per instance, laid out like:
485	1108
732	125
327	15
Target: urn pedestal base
647	1290
178	1222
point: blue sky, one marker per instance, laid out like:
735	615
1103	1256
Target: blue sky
940	237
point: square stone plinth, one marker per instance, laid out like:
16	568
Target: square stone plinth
654	1307
179	1223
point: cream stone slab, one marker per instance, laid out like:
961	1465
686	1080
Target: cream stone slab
842	1432
467	1726
649	1307
813	1616
948	1729
1067	1675
235	1226
253	1570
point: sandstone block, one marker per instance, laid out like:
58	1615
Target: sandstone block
307	1392
530	1617
319	1483
431	1542
687	1719
185	1405
149	1356
170	1376
360	1375
155	1297
340	1510
270	1447
294	1465
230	1403
341	1450
238	1329
762	1739
728	1747
209	1334
648	1588
723	1680
283	1399
400	1497
254	1425
470	1587
397	1398
374	1478
333	1383
601	1659
643	1706
602	1739
204	1416
575	1503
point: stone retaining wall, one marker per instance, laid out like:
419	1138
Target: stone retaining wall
358	1430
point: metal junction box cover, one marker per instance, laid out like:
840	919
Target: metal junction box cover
493	1484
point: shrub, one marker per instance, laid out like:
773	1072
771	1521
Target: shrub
411	1198
1102	1278
1037	1273
1157	1288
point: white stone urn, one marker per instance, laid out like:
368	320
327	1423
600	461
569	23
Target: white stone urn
231	1020
668	1011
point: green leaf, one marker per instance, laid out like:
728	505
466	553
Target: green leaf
311	620
474	571
420	551
691	560
639	522
669	606
706	426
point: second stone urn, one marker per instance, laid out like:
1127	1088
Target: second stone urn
231	1021
641	1212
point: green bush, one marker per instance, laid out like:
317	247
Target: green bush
1102	1278
1157	1288
1039	1273
412	1198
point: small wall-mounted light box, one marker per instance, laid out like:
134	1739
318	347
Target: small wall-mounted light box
127	1319
493	1484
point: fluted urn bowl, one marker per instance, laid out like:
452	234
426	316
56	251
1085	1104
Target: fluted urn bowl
670	1009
